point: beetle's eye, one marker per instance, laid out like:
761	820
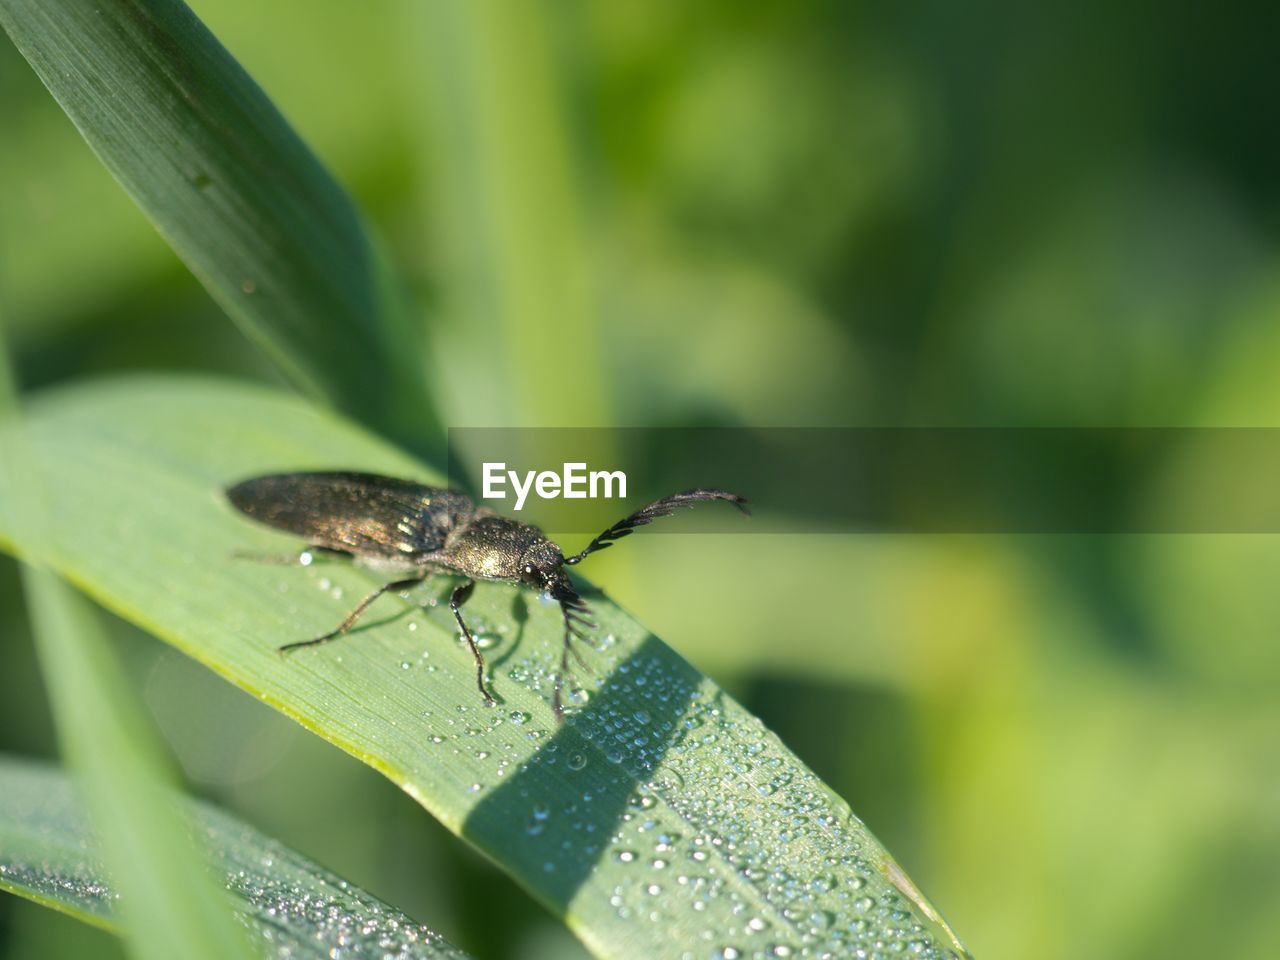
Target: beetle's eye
528	569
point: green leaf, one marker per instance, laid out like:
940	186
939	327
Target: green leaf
171	896
660	819
238	196
48	854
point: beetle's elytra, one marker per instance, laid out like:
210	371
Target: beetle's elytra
419	530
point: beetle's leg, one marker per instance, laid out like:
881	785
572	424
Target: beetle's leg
301	558
557	703
576	618
459	596
354	615
565	672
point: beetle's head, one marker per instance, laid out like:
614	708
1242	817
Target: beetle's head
540	567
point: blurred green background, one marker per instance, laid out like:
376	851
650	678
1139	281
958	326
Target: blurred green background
801	213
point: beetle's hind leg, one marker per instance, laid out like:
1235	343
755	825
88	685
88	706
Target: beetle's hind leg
461	593
302	558
354	615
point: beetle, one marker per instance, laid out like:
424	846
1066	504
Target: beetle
417	530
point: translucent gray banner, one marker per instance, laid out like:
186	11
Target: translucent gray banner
909	480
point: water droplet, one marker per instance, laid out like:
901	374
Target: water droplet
576	762
518	717
821	919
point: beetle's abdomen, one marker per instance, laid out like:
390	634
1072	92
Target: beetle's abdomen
363	514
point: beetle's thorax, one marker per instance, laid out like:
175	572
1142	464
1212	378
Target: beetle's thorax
490	547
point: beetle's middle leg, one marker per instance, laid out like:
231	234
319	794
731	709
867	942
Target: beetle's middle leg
354	615
460	595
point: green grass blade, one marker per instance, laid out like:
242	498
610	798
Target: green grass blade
660	820
171	897
294	907
236	193
509	215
